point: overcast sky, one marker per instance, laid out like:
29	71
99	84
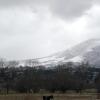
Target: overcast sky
37	28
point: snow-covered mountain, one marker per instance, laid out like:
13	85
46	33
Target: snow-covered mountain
86	51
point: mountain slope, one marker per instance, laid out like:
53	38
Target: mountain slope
86	51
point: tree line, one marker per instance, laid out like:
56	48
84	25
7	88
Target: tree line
61	78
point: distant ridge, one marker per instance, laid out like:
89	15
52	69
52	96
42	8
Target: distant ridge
88	51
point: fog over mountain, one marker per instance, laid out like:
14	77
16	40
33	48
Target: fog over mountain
88	51
32	29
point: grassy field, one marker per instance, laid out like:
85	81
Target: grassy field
56	97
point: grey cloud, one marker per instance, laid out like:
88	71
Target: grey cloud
96	1
9	3
63	8
70	8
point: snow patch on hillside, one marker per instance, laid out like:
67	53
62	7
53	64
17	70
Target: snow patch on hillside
47	59
76	59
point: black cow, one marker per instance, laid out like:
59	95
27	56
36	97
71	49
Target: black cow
47	97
